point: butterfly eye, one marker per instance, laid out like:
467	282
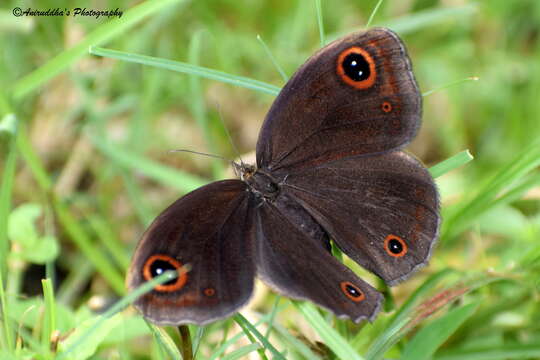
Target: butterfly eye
159	264
352	291
356	68
395	246
271	187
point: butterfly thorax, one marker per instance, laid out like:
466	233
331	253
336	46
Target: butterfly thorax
261	184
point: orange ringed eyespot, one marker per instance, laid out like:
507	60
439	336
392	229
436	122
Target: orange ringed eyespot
209	292
352	291
157	265
395	246
356	67
386	107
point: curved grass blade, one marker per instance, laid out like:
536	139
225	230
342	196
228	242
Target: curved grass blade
424	344
113	310
505	352
488	194
188	69
99	36
165	341
244	323
329	335
451	163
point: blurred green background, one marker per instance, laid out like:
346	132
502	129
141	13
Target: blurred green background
85	167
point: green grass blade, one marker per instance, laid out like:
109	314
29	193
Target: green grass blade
331	337
49	323
517	192
109	240
451	163
486	197
32	160
373	13
428	18
295	344
387	339
9	123
450	84
113	310
419	20
168	176
188	69
424	344
7	332
83	241
507	352
6	188
419	293
243	351
77	233
392	333
320	24
197	106
244	323
165	341
273	59
99	36
234	339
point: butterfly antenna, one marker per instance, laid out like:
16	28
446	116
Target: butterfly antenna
242	164
201	153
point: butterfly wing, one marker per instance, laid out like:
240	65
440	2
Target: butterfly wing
209	230
357	95
382	211
294	259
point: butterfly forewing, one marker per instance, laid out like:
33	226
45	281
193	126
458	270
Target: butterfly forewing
327	111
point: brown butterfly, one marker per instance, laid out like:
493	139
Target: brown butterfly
329	165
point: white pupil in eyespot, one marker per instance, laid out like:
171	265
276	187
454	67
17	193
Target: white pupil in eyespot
159	271
353	63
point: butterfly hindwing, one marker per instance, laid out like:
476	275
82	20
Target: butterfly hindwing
293	258
210	232
382	211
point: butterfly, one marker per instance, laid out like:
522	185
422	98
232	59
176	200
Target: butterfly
329	166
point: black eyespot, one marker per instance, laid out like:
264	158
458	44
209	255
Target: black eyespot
352	291
158	267
356	67
395	246
158	264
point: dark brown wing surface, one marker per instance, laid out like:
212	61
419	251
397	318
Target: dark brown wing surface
357	95
210	230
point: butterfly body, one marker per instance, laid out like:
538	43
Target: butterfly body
329	165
